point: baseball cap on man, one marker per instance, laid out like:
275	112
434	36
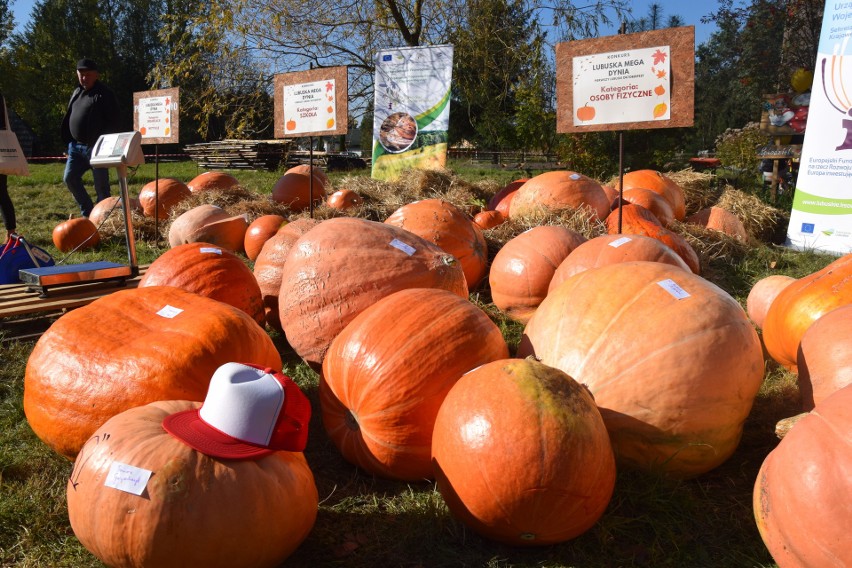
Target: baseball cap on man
87	64
249	412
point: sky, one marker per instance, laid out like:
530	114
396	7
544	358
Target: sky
690	12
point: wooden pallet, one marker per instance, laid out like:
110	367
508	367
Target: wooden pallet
239	154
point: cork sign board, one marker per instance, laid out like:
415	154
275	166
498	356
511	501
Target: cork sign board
626	82
311	103
156	115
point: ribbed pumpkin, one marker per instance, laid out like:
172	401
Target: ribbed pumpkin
612	249
762	294
658	183
442	223
385	375
521	271
342	266
501	200
208	223
76	232
488	219
801	497
521	454
270	263
636	220
296	188
722	220
170	192
130	348
249	513
259	231
213	181
313	170
344	199
825	357
653	202
210	271
672	360
557	191
112	206
802	303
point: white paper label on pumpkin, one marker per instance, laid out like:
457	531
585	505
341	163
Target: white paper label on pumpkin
407	249
127	478
211	250
575	177
618	242
169	311
672	288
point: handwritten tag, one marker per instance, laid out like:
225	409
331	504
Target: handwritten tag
407	249
169	311
618	242
127	478
672	288
210	250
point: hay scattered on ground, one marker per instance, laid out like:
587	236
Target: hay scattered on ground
761	221
700	189
709	244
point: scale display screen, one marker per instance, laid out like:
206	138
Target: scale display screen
120	149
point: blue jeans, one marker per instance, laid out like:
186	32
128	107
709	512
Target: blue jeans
77	164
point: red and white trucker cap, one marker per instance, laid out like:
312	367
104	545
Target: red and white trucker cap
249	412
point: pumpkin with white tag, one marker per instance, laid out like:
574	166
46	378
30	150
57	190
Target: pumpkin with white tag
672	360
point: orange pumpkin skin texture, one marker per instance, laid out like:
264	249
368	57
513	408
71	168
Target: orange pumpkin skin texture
653	202
79	231
295	189
503	195
117	353
801	497
344	199
316	171
521	271
342	266
385	375
762	294
674	378
170	191
442	223
612	249
557	191
105	206
721	220
636	220
270	263
259	231
658	183
802	303
212	181
521	454
255	512
210	271
825	357
209	224
488	219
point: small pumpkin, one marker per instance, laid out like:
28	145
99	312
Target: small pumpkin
636	220
213	181
76	233
762	294
825	357
659	183
259	231
722	220
557	191
112	205
488	219
160	196
344	199
209	224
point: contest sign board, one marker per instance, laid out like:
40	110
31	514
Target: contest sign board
821	216
411	116
626	82
156	115
311	103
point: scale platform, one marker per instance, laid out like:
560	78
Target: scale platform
64	275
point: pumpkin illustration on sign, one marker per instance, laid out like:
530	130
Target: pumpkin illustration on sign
586	112
291	124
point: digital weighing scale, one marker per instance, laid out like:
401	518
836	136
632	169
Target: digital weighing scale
120	151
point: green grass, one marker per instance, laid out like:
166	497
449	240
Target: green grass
366	521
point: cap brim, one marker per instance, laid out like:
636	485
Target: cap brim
188	427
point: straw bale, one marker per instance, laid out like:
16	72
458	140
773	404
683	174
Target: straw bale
762	221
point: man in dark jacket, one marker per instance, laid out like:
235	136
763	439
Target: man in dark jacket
92	111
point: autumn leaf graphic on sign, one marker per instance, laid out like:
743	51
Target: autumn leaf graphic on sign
659	57
661	74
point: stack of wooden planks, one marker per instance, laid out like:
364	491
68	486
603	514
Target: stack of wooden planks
239	154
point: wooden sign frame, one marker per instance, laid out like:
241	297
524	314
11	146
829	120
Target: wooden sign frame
341	80
174	114
681	40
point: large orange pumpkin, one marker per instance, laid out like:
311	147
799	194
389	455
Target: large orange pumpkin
802	303
342	266
213	181
297	187
77	233
500	201
112	206
801	497
211	271
762	294
442	223
557	191
636	220
611	249
208	223
248	513
259	231
385	375
722	220
672	360
825	357
270	263
521	454
653	202
658	183
130	348
521	271
160	196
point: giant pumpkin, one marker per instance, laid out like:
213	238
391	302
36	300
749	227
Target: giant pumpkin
213	181
342	266
502	200
208	223
653	202
385	375
672	360
521	454
130	348
195	510
636	220
298	187
160	196
112	206
658	183
556	191
259	231
825	357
